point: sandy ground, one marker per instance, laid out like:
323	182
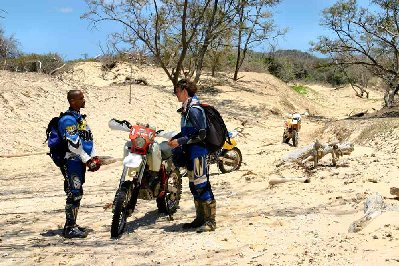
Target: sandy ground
286	224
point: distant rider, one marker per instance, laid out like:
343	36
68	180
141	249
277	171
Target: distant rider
188	145
80	154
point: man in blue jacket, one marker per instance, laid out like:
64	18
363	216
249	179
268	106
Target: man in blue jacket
191	141
80	153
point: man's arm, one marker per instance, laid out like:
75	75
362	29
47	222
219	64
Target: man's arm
197	119
68	127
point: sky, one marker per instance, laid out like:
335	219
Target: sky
44	26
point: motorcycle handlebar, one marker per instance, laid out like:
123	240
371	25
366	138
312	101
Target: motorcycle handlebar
166	134
125	125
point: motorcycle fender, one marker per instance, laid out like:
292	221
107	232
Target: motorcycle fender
228	146
133	161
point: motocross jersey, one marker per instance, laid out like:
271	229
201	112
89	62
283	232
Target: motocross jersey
192	121
77	133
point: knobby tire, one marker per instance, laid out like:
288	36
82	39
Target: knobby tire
120	213
238	161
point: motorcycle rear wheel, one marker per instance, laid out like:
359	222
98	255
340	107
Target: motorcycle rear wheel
169	203
231	161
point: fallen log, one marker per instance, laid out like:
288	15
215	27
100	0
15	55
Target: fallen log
373	206
314	152
279	180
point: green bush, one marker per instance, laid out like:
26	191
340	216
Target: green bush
35	63
300	89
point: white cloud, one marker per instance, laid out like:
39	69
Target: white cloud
65	10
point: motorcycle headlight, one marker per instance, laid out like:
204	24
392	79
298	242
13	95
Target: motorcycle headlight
140	142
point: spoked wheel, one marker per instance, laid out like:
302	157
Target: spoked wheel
230	160
124	202
295	138
169	203
286	139
286	136
120	213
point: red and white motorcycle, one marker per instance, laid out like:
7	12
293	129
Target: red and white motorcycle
148	173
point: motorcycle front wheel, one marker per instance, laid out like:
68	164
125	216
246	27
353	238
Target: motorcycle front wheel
230	160
124	202
286	139
169	203
295	138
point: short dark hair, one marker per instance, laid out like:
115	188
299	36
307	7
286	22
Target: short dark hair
187	85
72	94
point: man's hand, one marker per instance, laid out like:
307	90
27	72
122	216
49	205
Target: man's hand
93	164
173	143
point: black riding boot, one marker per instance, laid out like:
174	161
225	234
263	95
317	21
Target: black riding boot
71	230
210	216
199	218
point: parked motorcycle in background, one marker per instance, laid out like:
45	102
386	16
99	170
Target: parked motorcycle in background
148	173
229	157
292	126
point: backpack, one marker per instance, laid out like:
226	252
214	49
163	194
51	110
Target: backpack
216	131
55	141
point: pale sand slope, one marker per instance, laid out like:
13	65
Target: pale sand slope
288	224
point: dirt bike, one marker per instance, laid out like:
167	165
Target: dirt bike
229	157
148	173
292	126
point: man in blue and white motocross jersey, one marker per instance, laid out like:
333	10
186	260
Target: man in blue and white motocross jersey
80	153
191	141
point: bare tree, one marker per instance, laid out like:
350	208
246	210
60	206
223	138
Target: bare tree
170	31
366	37
8	47
219	51
254	25
2	11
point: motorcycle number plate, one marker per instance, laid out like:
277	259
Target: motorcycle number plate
133	160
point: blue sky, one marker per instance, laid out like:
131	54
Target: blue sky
43	26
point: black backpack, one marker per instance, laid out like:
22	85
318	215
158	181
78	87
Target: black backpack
55	141
216	131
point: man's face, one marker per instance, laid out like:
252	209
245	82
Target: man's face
79	100
181	94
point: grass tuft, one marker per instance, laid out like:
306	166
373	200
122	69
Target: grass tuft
300	89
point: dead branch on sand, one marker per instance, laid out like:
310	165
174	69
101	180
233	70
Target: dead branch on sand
55	70
360	114
314	152
105	160
373	207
